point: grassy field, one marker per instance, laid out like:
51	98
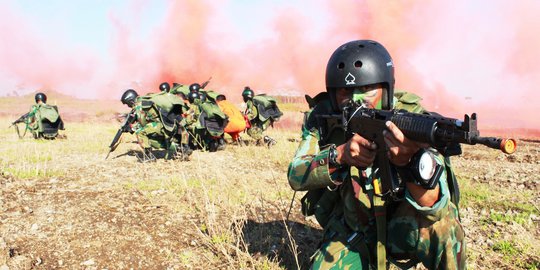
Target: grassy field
63	206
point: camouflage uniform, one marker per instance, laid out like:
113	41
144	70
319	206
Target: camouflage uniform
193	124
205	127
346	209
257	127
149	129
166	101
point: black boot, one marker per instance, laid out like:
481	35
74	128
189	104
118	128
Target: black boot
221	144
269	141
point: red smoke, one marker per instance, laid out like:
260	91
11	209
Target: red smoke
461	57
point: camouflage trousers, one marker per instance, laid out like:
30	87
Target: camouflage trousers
151	136
437	245
256	130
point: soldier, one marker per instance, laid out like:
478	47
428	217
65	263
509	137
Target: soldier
42	120
207	123
150	129
237	123
172	106
364	230
261	111
192	122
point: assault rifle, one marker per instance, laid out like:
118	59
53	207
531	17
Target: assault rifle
442	133
20	120
126	127
204	84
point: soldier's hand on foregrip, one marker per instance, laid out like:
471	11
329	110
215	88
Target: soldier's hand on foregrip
401	149
357	152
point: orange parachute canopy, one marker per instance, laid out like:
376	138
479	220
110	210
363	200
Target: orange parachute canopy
237	123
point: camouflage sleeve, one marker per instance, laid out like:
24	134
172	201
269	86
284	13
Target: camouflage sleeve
309	167
435	212
32	111
140	120
251	110
30	117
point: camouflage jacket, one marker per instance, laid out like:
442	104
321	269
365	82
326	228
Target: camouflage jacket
309	170
191	116
145	115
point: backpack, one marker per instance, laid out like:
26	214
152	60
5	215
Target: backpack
169	109
267	108
49	121
213	119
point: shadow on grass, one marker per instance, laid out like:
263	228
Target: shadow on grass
271	239
140	156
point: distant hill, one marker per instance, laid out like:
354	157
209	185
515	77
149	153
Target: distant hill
71	108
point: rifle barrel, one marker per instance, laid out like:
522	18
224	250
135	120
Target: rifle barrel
507	146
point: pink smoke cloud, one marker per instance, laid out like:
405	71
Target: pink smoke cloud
461	57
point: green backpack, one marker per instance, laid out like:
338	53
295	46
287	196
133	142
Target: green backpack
267	108
48	121
180	89
169	106
213	119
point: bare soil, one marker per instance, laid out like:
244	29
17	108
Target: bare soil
62	206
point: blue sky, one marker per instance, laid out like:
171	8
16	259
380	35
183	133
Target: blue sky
87	23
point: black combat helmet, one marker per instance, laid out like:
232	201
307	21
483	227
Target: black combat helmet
192	96
194	87
202	96
129	97
360	63
247	94
164	87
40	96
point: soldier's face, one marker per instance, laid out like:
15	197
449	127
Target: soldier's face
370	96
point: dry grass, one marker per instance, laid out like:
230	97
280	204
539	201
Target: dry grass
64	206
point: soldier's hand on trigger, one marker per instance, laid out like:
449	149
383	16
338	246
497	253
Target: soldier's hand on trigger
401	149
358	152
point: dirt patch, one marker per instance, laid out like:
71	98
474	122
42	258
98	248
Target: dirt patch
63	206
